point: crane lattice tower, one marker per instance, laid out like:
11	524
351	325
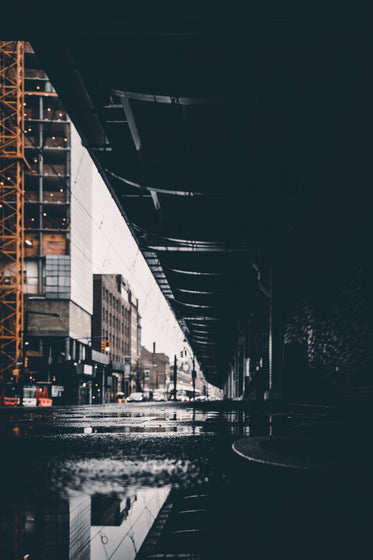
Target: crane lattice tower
11	206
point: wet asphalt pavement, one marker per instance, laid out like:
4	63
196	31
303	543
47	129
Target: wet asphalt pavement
101	448
153	479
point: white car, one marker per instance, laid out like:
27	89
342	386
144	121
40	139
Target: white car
182	396
201	398
136	397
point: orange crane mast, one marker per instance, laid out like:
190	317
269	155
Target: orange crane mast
12	161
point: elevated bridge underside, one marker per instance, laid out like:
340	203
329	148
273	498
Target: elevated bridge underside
234	138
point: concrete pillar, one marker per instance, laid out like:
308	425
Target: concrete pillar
276	332
67	349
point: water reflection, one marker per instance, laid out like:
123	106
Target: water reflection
103	461
79	527
186	421
136	515
191	421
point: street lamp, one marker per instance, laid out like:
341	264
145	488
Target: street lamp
106	347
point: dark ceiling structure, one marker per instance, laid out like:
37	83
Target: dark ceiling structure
218	127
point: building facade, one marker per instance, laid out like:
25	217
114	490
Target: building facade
58	242
116	321
154	369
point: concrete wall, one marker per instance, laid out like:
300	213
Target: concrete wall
81	224
45	325
80	322
329	333
73	321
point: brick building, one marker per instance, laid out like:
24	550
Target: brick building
116	319
154	370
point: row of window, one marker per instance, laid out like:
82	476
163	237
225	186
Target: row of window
49	195
117	324
112	301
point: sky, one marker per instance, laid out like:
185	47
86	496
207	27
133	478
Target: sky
116	252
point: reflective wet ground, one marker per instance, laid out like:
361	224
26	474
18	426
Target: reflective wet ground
147	480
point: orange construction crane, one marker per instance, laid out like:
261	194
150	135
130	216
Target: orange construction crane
11	207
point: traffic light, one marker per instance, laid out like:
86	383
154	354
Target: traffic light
26	361
105	345
181	353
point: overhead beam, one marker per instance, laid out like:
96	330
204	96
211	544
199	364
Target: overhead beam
172	99
171	191
200	292
131	121
136	138
195	248
195	273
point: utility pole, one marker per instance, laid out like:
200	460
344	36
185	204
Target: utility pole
154	365
103	385
194	375
175	377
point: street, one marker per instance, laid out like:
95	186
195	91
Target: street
92	481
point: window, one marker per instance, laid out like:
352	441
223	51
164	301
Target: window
57	276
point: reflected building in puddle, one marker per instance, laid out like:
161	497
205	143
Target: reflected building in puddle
110	509
123	523
80	527
57	528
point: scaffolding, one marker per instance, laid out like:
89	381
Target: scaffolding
11	207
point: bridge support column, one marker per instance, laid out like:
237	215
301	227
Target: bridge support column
276	333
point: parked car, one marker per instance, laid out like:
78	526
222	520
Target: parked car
201	398
136	397
159	396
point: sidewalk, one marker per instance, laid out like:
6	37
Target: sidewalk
339	441
310	492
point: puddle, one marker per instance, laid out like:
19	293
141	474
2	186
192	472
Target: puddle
110	469
80	526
